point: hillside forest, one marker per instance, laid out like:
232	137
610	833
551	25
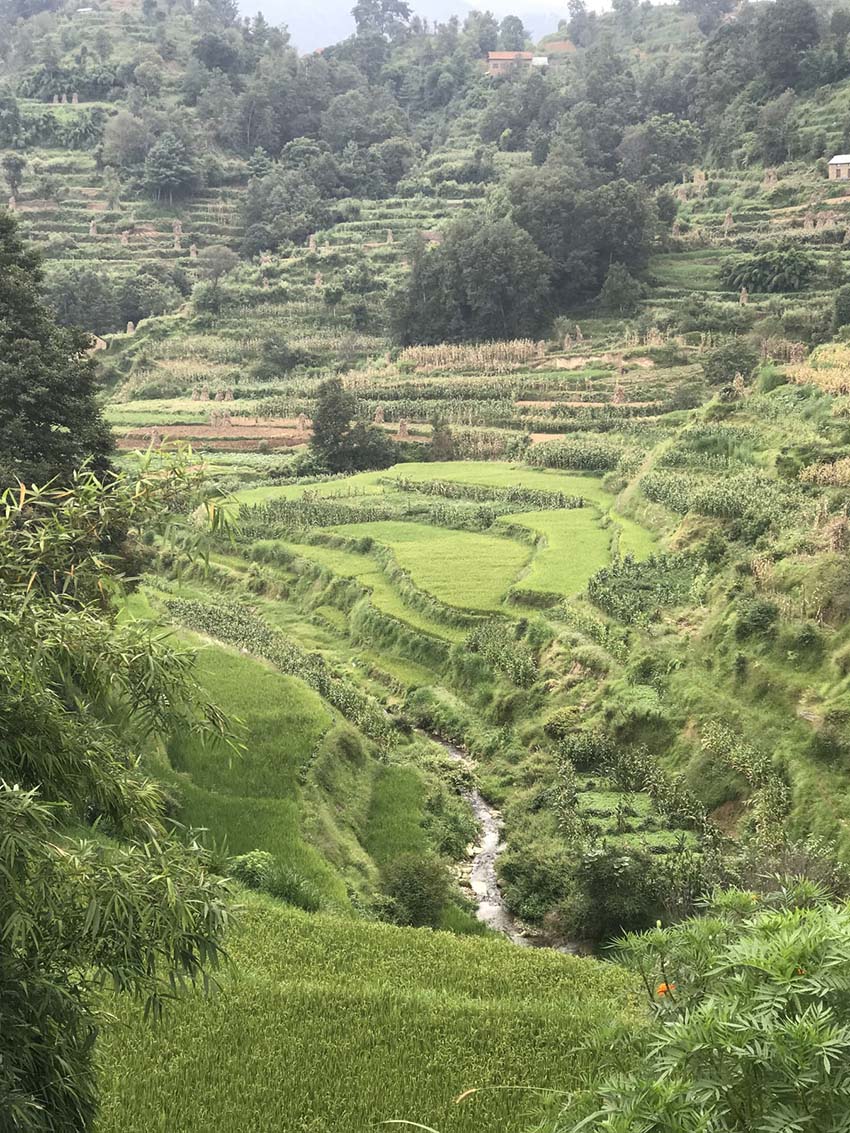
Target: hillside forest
425	570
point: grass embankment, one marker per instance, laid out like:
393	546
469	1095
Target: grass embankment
461	568
331	1025
350	564
305	787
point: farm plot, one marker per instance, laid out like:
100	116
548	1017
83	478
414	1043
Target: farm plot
576	546
501	474
349	564
460	568
368	483
331	1024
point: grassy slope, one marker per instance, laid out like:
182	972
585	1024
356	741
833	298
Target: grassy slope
303	789
332	1026
254	801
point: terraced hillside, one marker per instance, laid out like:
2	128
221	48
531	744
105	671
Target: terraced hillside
567	647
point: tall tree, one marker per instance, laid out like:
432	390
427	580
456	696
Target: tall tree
485	281
340	445
512	34
169	167
13	170
785	30
49	418
331	420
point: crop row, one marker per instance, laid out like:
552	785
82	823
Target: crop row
580	453
234	624
526	498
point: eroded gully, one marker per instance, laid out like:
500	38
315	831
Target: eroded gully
483	880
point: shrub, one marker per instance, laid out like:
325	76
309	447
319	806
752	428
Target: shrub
757	617
562	721
534	880
635	592
291	887
419	885
781	269
612	890
736	356
750	1026
253	869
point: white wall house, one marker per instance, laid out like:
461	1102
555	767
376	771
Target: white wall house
839	167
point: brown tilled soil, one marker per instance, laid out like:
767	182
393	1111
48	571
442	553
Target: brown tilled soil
244	434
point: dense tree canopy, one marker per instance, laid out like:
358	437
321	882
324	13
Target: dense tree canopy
581	230
49	418
486	280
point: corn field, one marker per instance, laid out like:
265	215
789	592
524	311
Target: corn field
486	357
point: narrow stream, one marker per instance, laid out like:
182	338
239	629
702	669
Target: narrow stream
483	880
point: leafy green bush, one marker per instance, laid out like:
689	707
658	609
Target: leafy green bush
736	356
253	869
781	269
635	592
291	887
419	885
612	890
757	617
750	1026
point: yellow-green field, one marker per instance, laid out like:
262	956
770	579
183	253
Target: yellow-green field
333	1026
502	474
349	564
576	545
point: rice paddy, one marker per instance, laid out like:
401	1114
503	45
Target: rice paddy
502	474
331	1025
575	546
461	568
349	564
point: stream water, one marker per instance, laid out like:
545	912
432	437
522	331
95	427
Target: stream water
483	880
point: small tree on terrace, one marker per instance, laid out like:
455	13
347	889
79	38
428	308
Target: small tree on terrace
442	442
339	445
169	168
13	170
737	356
331	421
10	118
621	292
841	309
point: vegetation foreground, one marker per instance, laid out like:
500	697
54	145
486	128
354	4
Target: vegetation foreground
333	1024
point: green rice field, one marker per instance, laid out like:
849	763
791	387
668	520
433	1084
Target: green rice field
331	1025
460	568
576	545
